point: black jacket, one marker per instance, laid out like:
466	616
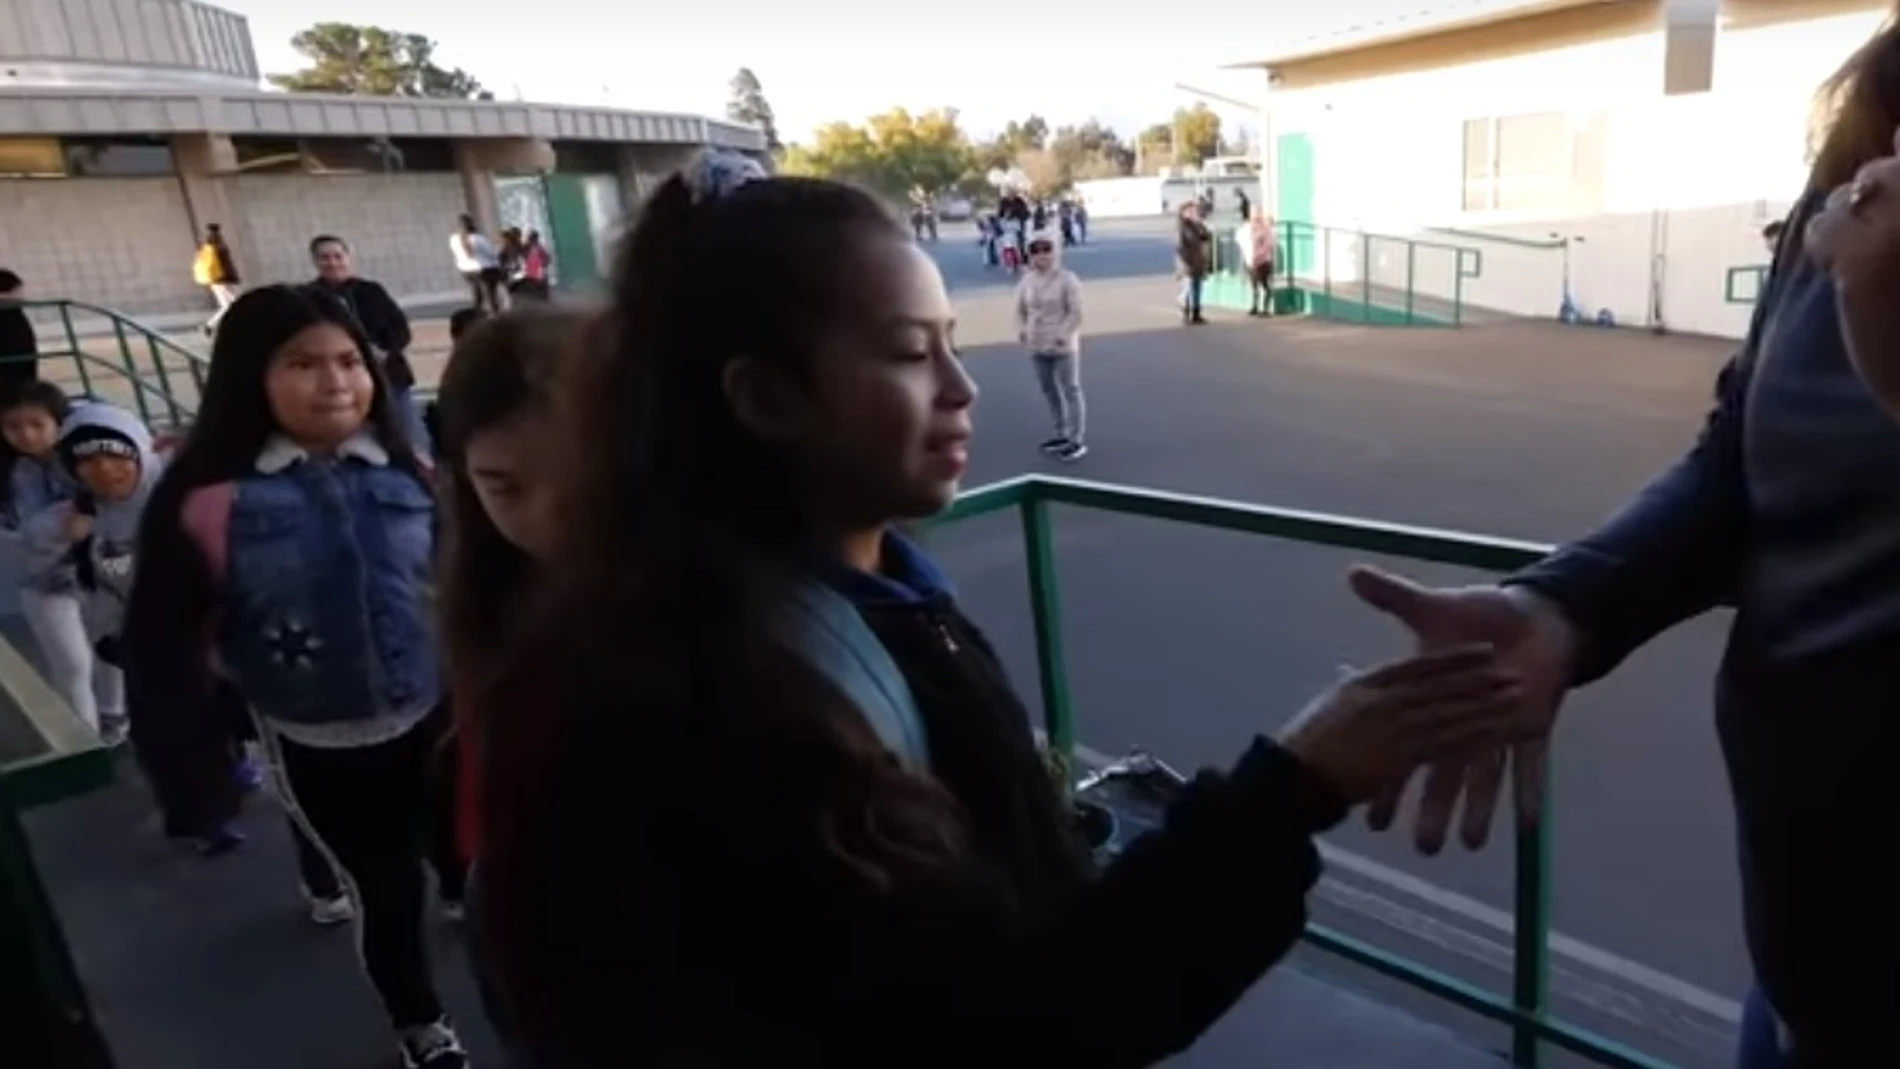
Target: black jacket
380	319
689	917
1788	508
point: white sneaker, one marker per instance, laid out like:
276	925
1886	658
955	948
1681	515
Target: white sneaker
433	1046
333	910
113	729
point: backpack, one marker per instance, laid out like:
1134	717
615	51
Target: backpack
204	266
825	630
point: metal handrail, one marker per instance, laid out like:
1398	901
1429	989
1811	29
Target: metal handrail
1526	1010
152	390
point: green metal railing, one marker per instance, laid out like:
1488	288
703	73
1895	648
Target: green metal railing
1525	1010
128	362
1351	275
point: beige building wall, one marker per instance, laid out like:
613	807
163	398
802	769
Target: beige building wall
398	226
125	243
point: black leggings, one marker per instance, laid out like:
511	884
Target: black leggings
373	810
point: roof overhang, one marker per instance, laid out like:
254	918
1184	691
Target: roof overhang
126	110
1448	17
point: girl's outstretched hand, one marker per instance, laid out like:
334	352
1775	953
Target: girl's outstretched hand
1375	727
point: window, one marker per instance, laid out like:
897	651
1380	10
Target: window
119	157
267	155
346	155
31	157
377	155
1548	162
586	157
423	154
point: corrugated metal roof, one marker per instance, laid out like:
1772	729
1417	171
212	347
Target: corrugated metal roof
1439	18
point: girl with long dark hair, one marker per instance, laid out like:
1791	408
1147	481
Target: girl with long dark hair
705	843
291	542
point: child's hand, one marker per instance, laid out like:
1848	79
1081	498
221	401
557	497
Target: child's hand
78	526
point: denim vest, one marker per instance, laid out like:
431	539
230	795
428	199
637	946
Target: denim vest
326	592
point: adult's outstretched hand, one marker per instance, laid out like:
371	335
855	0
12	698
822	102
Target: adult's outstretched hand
1534	642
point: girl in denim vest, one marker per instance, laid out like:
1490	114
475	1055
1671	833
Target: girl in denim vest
290	545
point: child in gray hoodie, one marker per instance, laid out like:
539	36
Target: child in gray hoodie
91	536
1049	322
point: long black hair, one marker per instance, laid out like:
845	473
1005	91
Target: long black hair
234	415
33	394
659	608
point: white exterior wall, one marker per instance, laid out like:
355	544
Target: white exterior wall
1690	180
1113	198
397	225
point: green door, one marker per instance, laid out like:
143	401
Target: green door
576	266
1293	190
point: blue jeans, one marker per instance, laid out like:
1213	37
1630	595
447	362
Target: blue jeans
1191	295
1760	1041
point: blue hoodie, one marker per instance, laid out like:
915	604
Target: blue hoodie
49	557
37	485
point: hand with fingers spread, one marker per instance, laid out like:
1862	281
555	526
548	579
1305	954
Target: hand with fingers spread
1856	238
1376	726
1533	644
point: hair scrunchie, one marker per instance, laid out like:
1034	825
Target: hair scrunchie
719	172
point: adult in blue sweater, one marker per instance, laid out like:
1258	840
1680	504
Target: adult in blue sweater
1787	508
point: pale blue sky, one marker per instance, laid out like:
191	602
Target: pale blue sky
836	59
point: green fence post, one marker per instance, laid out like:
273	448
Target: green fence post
1530	951
164	378
72	347
1411	279
1365	276
1045	610
1458	295
1325	235
131	372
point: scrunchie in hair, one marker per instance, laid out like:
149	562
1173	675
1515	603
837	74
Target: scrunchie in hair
719	172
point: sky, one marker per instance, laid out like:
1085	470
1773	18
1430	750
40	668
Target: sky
825	60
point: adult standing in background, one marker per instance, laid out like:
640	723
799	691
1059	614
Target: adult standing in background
377	317
215	269
19	345
1194	258
479	264
1787	508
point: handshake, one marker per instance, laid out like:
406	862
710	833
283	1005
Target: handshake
1480	693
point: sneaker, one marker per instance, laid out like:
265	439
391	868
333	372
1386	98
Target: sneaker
220	841
250	774
1054	445
433	1046
1072	452
328	910
454	911
113	730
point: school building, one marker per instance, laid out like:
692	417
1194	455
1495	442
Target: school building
1630	150
126	126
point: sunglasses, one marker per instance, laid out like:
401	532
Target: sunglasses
1041	246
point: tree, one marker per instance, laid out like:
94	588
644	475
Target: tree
1091	150
1196	134
748	105
371	61
1025	136
893	152
1155	147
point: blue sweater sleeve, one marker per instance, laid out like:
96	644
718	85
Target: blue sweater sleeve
181	731
1671	554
